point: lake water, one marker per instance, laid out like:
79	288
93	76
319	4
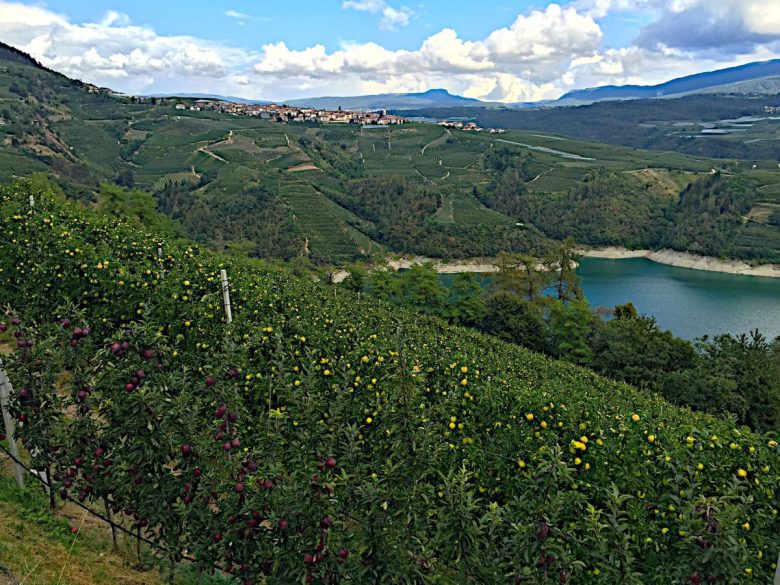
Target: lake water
691	303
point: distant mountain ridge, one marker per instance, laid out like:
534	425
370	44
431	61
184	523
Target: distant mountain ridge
690	84
409	101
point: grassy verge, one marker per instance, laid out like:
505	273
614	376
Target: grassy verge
38	547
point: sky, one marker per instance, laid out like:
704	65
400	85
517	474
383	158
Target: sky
494	50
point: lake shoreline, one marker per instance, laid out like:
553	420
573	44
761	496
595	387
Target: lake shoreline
686	260
666	256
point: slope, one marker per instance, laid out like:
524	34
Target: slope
356	441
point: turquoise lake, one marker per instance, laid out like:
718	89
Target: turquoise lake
691	303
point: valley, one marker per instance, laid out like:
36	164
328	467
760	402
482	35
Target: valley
291	190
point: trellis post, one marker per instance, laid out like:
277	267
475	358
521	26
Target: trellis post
5	396
226	296
160	255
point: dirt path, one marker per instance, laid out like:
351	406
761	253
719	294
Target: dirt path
423	176
437	142
450	215
560	153
539	176
205	150
290	144
360	152
228	140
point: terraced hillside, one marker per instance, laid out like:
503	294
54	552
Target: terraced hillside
233	181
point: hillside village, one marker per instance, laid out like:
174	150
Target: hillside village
290	114
283	113
469	127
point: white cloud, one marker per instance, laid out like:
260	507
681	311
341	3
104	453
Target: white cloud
14	13
392	18
114	18
364	5
727	26
237	15
557	33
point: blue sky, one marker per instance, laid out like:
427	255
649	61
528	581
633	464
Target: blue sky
503	50
301	23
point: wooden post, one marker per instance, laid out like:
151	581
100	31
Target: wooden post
226	296
5	394
159	255
777	571
32	201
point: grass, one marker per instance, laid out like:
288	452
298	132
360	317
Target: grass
559	179
37	546
165	180
14	164
759	236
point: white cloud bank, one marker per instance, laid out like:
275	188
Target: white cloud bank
543	53
519	62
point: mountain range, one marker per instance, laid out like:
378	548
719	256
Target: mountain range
731	80
762	77
433	98
428	99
